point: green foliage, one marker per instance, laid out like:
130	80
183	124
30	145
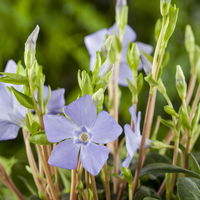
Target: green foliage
188	189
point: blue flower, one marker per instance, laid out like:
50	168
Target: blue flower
95	41
133	136
13	114
83	133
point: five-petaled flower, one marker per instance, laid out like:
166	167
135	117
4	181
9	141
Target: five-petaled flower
83	133
95	41
133	136
13	114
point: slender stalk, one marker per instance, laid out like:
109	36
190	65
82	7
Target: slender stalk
157	61
175	157
94	187
191	87
187	151
32	163
73	185
43	152
130	191
6	179
145	135
114	112
87	184
107	184
121	190
195	102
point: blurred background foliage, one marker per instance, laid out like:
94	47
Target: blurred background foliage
61	50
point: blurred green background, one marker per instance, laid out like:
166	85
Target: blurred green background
61	50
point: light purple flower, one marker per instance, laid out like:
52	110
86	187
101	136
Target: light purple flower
13	114
84	134
56	102
133	136
95	41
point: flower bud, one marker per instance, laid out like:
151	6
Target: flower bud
164	7
133	57
30	46
120	4
180	83
189	39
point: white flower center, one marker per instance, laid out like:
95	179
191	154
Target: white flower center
84	137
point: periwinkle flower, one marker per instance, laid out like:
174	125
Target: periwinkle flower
95	41
83	133
133	136
13	114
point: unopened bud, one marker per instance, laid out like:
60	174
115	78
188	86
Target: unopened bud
189	39
164	7
30	46
180	83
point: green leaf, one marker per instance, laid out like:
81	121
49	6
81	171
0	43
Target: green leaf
169	110
127	175
167	123
193	163
23	99
187	189
39	138
150	198
12	78
166	168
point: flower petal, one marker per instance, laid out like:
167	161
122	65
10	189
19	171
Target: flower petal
105	129
127	161
82	111
145	47
65	155
132	111
6	105
129	34
93	157
95	40
11	67
56	102
124	74
58	128
132	140
8	130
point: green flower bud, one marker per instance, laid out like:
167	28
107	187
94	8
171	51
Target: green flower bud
133	57
189	39
181	85
164	7
98	98
173	16
30	47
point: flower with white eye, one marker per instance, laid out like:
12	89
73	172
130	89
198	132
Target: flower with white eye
81	135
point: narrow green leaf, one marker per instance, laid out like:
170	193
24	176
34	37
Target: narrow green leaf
12	78
23	99
166	168
167	123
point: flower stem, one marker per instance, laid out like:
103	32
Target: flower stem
73	185
5	178
145	135
157	61
32	163
114	95
107	184
191	87
94	187
43	154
